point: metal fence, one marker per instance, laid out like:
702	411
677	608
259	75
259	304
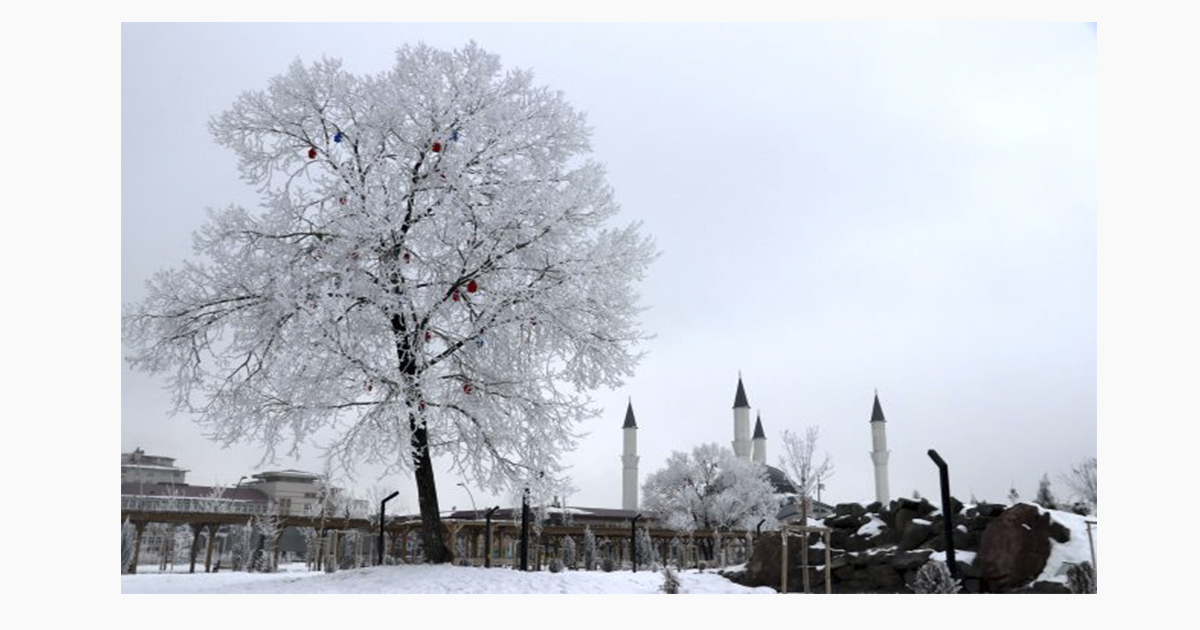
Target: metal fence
191	505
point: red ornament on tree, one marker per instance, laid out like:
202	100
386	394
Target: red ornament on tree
421	405
405	256
312	153
466	388
437	146
428	336
342	200
455	296
472	287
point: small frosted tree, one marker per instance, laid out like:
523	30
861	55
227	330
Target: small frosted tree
589	549
269	529
128	545
934	577
670	583
431	272
1081	578
1014	497
181	540
1082	481
644	549
568	552
242	546
676	548
800	460
1044	497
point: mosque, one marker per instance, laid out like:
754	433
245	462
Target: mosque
754	448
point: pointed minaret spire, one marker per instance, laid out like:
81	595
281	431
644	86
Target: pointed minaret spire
739	400
630	422
741	422
760	442
877	412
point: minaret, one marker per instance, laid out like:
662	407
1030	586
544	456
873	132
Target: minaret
879	452
741	422
629	462
760	442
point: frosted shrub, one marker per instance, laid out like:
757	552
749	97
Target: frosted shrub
607	565
556	565
568	551
589	549
1081	578
670	584
128	544
934	577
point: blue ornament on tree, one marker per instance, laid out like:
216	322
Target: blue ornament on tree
337	137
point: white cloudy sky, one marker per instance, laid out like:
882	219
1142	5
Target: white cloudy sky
840	208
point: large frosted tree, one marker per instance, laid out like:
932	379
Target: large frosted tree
430	272
710	489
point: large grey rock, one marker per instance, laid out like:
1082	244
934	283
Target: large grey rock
910	560
1059	532
763	568
915	535
1014	548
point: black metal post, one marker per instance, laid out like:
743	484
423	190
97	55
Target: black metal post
947	514
758	530
525	530
382	505
487	542
633	541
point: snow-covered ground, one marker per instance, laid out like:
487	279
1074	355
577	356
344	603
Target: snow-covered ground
427	579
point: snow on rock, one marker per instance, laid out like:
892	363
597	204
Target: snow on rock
871	528
429	579
959	556
1074	551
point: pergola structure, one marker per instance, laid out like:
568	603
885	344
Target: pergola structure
402	534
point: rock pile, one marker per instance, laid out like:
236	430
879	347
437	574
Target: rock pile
878	549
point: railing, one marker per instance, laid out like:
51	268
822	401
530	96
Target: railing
191	505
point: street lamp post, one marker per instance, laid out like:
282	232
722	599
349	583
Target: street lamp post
487	542
947	515
525	530
382	505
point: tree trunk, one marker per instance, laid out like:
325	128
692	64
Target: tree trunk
434	544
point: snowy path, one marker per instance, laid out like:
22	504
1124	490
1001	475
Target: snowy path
427	579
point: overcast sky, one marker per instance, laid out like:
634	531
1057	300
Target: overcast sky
840	209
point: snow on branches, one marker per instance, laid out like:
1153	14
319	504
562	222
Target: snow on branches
710	489
431	271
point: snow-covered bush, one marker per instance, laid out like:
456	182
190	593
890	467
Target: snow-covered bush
589	549
670	584
644	548
1045	498
568	551
1081	578
460	550
556	565
239	552
607	565
269	528
128	545
934	577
